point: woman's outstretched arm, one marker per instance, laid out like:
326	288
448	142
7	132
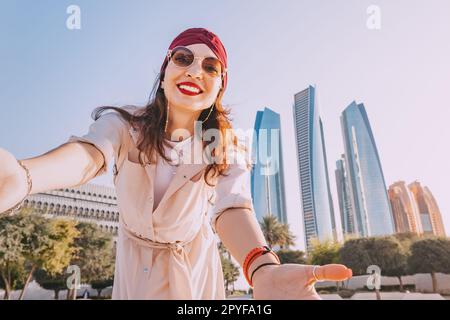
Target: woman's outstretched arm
70	164
240	232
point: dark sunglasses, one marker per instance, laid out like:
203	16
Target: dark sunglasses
183	57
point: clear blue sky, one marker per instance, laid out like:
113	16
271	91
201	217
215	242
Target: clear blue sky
51	78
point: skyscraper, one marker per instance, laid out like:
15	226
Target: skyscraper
317	205
369	197
430	215
404	209
267	179
345	203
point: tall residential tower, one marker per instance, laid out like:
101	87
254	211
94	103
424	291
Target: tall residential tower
317	204
267	180
404	209
430	215
369	199
343	192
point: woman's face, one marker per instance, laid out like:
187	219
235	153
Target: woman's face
177	78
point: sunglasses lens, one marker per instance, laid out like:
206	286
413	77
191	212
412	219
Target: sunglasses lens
212	66
182	57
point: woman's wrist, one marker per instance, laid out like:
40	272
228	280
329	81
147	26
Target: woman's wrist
262	271
24	189
266	258
25	176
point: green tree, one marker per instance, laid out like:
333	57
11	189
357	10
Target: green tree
15	279
95	255
229	269
324	252
29	241
276	233
99	285
230	272
354	255
291	256
406	239
384	252
63	235
223	250
36	243
430	256
55	282
12	259
48	244
389	254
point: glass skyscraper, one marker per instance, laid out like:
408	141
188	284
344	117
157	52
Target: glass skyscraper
267	180
368	192
345	203
404	209
317	204
430	215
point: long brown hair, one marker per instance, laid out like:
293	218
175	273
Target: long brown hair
151	124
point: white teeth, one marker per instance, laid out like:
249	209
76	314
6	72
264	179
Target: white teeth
188	88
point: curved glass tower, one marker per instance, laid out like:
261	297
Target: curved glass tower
267	180
317	205
370	201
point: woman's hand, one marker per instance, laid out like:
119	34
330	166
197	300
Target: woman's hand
294	281
13	181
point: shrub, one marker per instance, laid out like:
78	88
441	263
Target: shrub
346	293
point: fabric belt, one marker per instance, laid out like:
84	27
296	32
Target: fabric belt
179	268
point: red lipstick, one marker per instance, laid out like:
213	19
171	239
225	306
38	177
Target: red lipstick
189	88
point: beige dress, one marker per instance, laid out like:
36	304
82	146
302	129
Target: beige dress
169	252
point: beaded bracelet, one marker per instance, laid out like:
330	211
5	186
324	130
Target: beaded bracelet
30	185
252	256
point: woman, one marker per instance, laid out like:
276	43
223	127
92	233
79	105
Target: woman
166	246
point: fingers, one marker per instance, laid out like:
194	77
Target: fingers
333	272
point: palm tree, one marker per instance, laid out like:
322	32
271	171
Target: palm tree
230	270
276	233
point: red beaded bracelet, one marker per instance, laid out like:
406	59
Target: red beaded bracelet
252	256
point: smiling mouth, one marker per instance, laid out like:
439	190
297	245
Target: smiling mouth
189	90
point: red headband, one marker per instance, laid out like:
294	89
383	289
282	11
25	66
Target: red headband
201	35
